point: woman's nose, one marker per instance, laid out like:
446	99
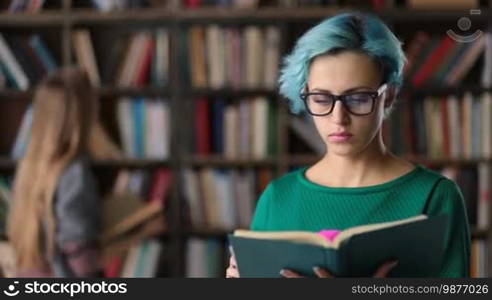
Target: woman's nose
339	114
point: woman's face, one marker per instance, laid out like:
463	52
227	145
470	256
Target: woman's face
338	74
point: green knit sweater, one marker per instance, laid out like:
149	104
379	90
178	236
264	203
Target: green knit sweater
292	202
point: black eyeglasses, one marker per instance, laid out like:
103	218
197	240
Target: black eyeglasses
358	103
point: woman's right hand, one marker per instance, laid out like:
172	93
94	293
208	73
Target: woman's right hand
232	271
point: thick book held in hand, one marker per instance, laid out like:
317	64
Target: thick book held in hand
416	242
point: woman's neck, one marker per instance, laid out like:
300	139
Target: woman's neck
372	166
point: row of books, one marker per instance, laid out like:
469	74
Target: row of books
438	60
474	182
138	196
139	59
5	194
375	4
442	127
144	126
479	259
232	56
30	6
118	5
140	261
222	199
24	60
284	3
204	258
243	129
34	6
25	6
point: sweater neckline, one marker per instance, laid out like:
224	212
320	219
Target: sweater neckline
364	189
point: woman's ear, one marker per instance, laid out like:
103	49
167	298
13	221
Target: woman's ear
390	96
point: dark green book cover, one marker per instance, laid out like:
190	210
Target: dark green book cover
418	246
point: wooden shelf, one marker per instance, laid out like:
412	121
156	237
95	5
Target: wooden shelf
444	90
448	161
321	12
301	159
101	91
479	234
268	14
7	163
131	163
219	161
147	15
15	94
133	91
44	18
206	233
227	92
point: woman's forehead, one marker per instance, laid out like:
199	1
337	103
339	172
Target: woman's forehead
343	71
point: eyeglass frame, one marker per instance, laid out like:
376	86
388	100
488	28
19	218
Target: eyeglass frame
342	98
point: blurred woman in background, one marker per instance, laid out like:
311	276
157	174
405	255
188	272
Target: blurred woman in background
54	220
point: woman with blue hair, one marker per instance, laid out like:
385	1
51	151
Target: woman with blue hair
346	72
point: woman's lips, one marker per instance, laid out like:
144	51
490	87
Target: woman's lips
340	137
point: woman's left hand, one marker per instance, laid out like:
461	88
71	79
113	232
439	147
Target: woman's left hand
381	272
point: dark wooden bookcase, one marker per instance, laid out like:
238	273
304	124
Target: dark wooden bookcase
58	25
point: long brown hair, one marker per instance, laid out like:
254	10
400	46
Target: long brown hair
65	125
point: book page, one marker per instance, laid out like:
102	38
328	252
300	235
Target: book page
347	233
312	238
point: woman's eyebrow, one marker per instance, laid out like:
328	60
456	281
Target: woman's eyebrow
354	89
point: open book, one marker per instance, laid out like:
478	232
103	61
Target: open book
416	242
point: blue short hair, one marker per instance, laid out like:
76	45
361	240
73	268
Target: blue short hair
349	31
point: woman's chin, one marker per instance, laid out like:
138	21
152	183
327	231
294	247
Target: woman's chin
344	149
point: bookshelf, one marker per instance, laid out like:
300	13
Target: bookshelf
58	25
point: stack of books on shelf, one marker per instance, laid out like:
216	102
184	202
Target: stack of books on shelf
253	4
442	4
474	182
144	127
24	60
444	60
137	196
25	6
445	127
193	4
479	259
23	135
5	196
246	129
121	5
231	56
222	199
132	213
204	258
141	261
136	60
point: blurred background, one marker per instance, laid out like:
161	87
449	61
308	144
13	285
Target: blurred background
188	90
